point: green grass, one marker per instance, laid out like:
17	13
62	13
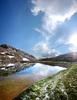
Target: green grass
62	86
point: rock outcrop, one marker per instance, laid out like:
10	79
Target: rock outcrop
12	59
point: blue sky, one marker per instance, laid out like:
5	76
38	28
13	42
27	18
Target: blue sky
38	27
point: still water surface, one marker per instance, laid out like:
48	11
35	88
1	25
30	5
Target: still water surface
13	85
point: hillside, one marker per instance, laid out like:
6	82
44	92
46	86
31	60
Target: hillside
69	57
12	59
61	60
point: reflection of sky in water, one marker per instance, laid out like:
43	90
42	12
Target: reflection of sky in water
41	70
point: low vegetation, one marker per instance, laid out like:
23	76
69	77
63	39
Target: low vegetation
62	86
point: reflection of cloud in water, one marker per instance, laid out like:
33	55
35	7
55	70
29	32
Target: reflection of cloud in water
25	78
40	70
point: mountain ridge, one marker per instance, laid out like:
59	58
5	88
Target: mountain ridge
69	57
12	59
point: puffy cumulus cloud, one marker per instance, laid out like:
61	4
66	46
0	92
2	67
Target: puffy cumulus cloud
55	12
42	49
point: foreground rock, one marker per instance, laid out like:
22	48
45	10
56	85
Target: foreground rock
12	59
62	86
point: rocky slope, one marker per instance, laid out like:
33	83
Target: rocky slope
11	59
62	86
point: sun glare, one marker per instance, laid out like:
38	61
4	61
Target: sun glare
73	40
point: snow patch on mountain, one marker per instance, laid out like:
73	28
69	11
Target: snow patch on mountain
25	59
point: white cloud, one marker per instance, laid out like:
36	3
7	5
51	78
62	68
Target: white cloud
55	12
41	32
35	11
72	41
42	49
